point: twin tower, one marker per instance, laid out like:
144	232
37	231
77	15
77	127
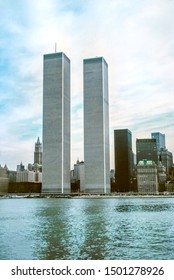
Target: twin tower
56	125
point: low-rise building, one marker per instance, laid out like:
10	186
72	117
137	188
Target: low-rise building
29	176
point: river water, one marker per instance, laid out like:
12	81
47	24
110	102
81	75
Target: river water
81	229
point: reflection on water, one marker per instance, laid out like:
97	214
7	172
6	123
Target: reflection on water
119	228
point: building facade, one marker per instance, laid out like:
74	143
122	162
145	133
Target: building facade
38	152
147	176
25	176
37	165
20	167
160	140
166	158
123	159
161	177
56	124
4	180
34	171
146	149
79	174
96	126
29	175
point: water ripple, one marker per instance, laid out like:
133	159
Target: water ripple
120	228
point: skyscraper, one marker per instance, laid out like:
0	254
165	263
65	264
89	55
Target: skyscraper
38	152
123	159
56	124
96	126
164	156
146	149
160	140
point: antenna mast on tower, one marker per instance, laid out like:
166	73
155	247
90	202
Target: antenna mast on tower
55	47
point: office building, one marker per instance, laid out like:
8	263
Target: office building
161	177
147	176
79	174
25	176
166	159
56	124
96	126
20	167
160	140
123	159
164	156
146	149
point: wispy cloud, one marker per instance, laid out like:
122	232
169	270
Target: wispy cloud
136	39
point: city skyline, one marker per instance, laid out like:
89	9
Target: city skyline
138	50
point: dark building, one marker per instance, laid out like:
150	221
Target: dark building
123	159
38	152
166	158
147	149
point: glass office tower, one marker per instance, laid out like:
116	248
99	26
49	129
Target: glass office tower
160	140
123	159
146	149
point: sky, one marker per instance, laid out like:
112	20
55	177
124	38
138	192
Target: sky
136	38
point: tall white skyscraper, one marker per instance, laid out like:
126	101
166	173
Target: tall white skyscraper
56	124
96	126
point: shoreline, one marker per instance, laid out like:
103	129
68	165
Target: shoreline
85	196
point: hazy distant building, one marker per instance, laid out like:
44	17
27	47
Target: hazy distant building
161	177
166	158
112	175
79	174
20	167
146	149
34	171
12	175
123	159
56	124
32	174
37	165
147	176
29	176
170	183
22	176
4	180
160	140
169	186
38	152
96	126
